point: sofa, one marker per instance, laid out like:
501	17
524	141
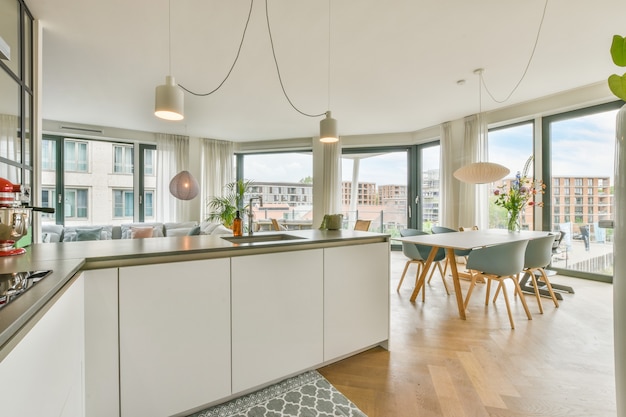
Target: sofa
51	233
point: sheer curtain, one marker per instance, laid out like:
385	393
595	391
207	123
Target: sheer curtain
217	169
474	196
332	178
172	157
449	193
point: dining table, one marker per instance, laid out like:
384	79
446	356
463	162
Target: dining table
471	239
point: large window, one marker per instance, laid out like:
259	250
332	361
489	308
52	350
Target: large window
123	161
76	203
81	180
510	146
394	187
579	149
285	182
123	203
75	156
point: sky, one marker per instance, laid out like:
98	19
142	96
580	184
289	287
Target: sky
584	146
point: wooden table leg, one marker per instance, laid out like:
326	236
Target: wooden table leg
455	280
422	278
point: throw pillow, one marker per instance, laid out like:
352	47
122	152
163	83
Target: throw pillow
141	232
222	230
88	234
195	231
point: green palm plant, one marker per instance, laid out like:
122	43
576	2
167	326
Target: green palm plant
224	208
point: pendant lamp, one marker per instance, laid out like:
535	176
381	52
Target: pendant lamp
481	173
328	129
169	102
184	186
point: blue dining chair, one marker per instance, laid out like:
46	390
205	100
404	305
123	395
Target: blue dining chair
497	263
418	254
537	257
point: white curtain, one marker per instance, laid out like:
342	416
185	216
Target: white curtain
448	185
172	157
217	169
332	178
474	196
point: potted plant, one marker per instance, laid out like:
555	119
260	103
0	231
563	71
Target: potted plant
617	84
224	208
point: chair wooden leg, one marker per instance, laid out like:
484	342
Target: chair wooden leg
469	292
406	266
508	306
420	265
521	296
443	277
536	287
550	290
487	291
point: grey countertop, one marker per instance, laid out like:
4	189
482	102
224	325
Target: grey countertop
66	259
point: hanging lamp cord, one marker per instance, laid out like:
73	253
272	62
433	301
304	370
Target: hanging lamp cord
232	66
280	79
530	59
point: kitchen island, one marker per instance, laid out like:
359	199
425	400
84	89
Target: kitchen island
165	326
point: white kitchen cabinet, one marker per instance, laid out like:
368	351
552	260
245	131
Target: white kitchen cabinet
174	338
45	368
356	298
102	377
277	315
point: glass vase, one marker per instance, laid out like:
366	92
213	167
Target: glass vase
514	222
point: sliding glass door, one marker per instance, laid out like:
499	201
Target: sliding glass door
580	146
393	187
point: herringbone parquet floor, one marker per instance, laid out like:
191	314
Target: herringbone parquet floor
558	364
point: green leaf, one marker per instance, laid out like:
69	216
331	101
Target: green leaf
617	85
618	50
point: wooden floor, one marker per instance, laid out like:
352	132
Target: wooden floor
558	364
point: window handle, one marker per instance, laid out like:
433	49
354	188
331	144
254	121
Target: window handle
60	198
140	199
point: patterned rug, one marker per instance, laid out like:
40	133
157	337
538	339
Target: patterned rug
306	395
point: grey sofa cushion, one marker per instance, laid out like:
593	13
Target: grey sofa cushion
51	233
70	235
88	234
126	232
178	228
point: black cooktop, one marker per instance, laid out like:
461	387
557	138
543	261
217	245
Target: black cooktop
16	283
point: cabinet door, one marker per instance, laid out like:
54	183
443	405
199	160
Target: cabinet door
174	336
43	374
356	298
102	378
277	315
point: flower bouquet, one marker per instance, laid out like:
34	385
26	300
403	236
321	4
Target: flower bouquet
514	197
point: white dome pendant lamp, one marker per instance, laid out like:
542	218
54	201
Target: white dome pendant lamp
169	102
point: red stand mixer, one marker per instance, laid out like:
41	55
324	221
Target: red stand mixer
15	217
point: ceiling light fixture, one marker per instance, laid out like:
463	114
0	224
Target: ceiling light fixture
328	125
169	103
481	172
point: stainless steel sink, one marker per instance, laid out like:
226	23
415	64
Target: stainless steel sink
262	238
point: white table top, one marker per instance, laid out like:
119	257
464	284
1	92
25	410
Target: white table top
472	239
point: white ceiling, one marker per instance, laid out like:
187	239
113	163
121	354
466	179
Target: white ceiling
394	65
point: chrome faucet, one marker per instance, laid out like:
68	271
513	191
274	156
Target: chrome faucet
251	214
